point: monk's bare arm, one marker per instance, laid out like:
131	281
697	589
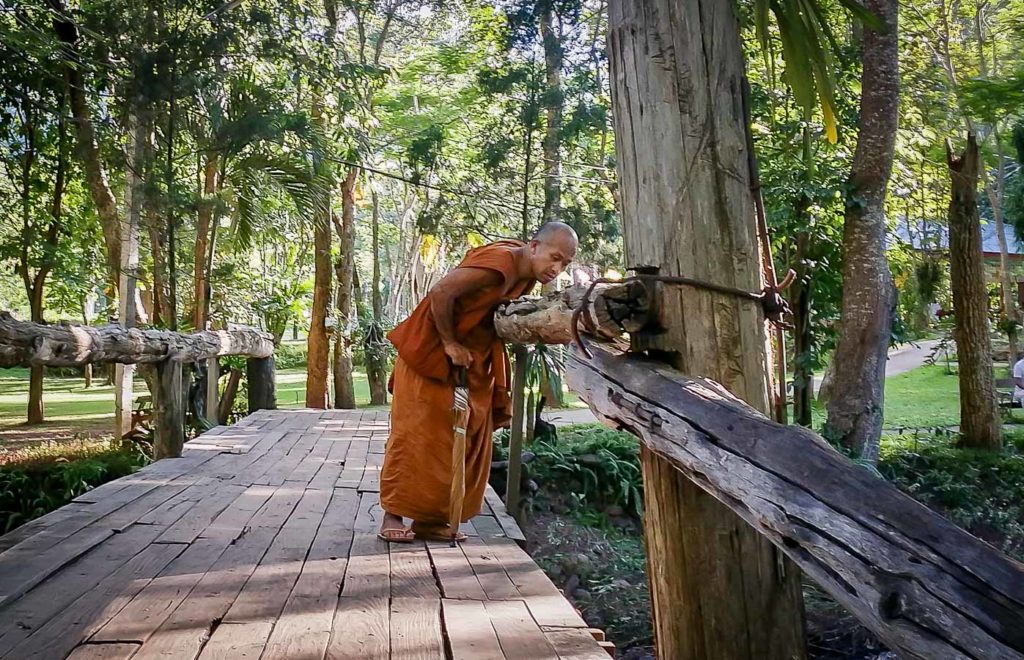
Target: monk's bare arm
442	306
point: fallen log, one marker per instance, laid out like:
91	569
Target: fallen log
611	309
926	587
63	345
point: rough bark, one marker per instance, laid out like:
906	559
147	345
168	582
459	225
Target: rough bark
803	339
611	310
317	341
553	102
227	403
926	587
855	404
718	588
376	363
200	280
168	411
979	418
23	343
344	388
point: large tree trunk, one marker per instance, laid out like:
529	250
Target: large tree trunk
318	346
317	342
344	388
200	281
718	588
374	348
855	406
553	102
979	418
156	249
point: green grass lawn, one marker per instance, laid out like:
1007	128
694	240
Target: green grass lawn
922	398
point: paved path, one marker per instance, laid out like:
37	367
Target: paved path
901	360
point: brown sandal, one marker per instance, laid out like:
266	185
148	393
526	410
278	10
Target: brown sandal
393	535
439	536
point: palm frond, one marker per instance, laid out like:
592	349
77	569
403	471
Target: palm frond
807	49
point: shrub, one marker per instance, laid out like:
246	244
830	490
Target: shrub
595	465
981	491
48	477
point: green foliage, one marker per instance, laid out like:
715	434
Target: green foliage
596	466
53	476
979	490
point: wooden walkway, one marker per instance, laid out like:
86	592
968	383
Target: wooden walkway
260	542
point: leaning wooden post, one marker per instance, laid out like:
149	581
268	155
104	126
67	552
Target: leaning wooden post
719	590
259	373
168	410
515	443
212	378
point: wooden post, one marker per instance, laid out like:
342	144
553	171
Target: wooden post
515	444
719	590
230	392
168	410
259	373
212	376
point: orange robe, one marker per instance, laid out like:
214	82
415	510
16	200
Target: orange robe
416	478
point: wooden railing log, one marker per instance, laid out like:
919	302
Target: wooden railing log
926	587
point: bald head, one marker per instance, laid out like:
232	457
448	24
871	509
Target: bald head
551	250
556	231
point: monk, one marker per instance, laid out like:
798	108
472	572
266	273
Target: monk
453	327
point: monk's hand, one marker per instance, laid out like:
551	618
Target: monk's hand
459	354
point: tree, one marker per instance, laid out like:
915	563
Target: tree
687	210
855	406
979	417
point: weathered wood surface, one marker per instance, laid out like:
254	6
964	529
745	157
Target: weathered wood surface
23	343
611	310
261	542
923	585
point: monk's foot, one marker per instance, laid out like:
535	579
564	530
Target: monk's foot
428	532
393	530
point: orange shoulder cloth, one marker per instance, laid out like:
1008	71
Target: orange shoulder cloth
416	338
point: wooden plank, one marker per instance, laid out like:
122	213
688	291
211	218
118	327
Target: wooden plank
22	568
469	630
487	526
575	644
546	603
371	473
131	512
355	462
159	599
212	504
185	632
455	573
50	597
104	652
311	463
519	635
58	636
42	523
411	573
304	628
327	476
489	572
264	595
362	622
507	522
238	641
416	629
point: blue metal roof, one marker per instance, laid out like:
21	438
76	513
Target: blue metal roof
932	235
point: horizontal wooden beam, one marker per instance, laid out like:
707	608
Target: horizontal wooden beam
610	310
926	587
23	343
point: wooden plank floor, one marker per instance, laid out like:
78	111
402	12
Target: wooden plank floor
260	542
